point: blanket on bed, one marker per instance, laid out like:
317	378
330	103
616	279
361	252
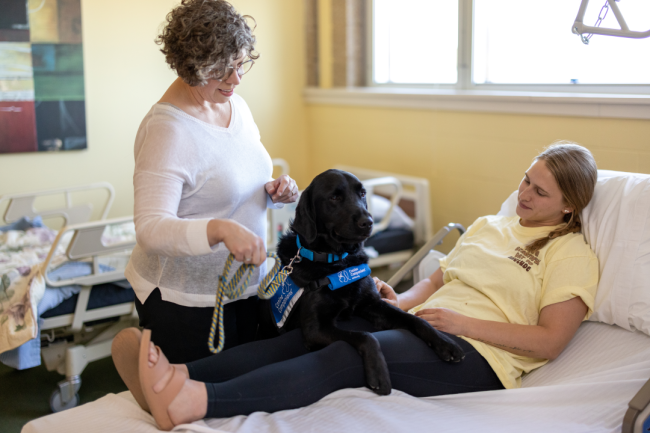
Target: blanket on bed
585	390
21	283
24	245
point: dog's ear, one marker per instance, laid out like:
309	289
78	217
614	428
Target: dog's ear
305	223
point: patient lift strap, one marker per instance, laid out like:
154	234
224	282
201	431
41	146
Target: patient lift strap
233	290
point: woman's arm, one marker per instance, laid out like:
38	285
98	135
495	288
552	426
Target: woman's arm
414	296
556	326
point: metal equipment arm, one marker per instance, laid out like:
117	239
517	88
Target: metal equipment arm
580	28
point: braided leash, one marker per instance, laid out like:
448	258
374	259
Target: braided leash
233	290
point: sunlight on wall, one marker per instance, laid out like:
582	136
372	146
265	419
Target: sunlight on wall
273	88
473	161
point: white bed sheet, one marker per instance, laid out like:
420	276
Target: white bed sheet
585	390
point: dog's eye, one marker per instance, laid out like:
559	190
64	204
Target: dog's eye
363	194
335	198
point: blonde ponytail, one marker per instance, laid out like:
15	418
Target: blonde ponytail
572	226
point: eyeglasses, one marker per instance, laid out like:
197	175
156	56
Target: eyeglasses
241	70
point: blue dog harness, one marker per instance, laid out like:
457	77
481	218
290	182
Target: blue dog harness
347	276
288	293
284	300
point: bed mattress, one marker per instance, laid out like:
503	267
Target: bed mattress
101	295
586	389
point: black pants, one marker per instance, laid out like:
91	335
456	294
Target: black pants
279	373
182	332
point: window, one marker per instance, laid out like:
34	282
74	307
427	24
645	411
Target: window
416	42
507	44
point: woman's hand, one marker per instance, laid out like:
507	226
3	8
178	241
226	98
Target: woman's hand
386	292
445	320
282	190
245	245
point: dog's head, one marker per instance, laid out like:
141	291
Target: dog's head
333	209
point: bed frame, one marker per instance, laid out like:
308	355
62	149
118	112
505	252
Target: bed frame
67	343
22	205
408	192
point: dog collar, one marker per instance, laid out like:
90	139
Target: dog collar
318	257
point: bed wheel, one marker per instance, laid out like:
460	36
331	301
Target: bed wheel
57	405
66	396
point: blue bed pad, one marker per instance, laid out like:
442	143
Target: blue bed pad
391	240
101	295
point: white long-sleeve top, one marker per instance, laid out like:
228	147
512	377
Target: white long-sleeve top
188	172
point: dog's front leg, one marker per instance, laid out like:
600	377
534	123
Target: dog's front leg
385	316
321	332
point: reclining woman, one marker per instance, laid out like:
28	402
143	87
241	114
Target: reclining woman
512	294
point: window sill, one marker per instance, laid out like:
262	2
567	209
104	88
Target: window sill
518	102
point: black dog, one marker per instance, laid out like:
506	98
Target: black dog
332	219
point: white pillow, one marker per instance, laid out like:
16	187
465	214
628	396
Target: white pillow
509	207
616	224
398	218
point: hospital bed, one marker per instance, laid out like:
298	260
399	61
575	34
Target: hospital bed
87	258
598	384
399	204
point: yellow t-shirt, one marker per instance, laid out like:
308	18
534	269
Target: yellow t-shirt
489	275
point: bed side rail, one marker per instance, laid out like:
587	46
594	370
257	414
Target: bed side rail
637	417
282	164
415	189
413	261
370	185
22	205
86	243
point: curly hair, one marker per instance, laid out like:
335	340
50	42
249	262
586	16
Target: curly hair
576	173
202	37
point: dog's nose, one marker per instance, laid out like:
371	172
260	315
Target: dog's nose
365	222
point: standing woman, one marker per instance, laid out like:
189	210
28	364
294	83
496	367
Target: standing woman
203	182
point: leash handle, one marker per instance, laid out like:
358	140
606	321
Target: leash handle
267	288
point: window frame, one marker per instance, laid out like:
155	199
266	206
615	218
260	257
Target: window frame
464	82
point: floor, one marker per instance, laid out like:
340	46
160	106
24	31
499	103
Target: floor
24	395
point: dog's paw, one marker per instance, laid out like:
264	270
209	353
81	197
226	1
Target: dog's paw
447	349
379	385
377	375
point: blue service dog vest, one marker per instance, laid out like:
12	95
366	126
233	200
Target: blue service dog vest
288	293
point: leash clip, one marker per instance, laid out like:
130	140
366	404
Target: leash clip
297	258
